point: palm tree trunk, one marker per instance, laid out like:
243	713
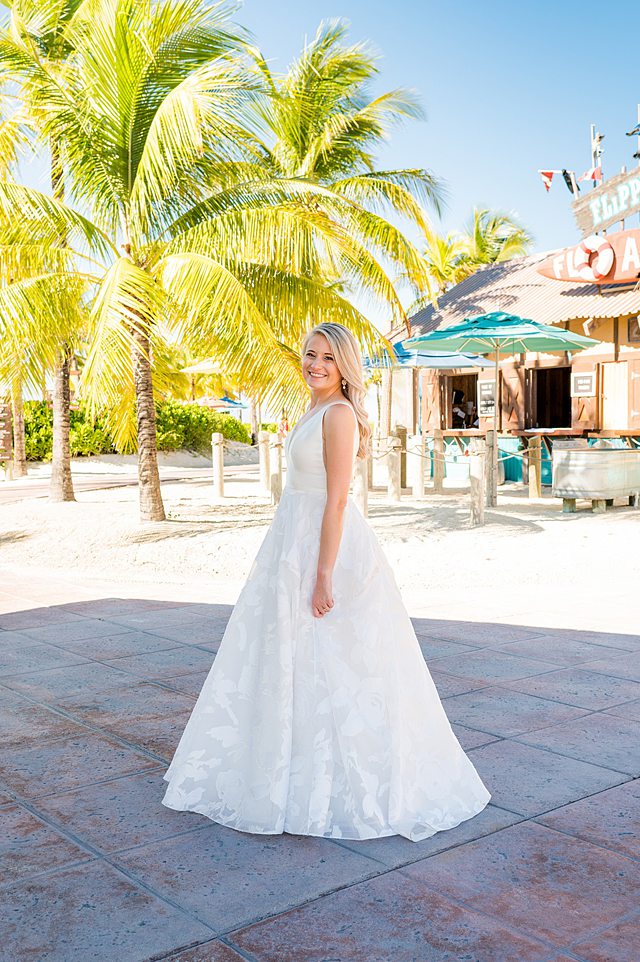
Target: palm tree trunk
17	410
61	488
151	506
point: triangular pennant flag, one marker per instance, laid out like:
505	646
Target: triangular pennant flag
547	177
594	173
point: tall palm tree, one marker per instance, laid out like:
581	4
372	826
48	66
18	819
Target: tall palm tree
324	125
183	224
40	32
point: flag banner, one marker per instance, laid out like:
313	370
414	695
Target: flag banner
547	177
594	173
570	180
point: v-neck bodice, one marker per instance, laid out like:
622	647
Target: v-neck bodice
304	452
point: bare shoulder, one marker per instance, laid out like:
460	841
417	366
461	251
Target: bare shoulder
339	418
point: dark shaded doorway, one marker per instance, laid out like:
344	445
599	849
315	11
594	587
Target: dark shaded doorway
550	397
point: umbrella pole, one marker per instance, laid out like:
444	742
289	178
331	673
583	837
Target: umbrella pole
492	493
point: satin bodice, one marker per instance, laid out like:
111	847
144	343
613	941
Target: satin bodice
303	452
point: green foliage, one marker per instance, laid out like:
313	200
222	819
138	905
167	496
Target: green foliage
180	426
38	428
189	426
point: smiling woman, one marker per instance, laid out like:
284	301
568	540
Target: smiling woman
319	715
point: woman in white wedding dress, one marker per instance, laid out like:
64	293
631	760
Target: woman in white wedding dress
319	715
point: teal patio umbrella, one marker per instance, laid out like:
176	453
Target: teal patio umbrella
497	333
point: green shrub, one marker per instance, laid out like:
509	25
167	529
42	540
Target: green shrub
38	428
179	426
189	426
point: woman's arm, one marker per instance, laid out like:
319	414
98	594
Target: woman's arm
339	435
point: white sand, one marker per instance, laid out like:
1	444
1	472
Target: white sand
530	564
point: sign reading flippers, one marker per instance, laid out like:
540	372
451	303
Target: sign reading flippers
614	259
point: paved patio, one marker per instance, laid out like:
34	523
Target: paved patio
94	694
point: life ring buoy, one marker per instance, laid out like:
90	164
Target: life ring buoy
599	267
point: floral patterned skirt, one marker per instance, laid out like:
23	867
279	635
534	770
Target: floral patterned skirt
325	726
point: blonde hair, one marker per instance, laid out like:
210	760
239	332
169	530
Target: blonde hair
346	353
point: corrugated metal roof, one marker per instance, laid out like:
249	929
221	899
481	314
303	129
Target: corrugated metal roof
516	288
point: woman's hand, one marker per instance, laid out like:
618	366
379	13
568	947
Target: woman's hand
322	598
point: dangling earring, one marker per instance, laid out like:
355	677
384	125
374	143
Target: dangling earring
344	384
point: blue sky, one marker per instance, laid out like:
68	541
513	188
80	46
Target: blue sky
508	88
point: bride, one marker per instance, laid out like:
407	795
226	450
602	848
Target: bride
319	715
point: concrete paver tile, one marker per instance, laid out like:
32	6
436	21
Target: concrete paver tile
392	918
118	814
531	781
33	656
166	662
187	684
618	666
435	647
565	651
92	912
450	685
28	846
54	684
490	666
209	952
608	639
478	634
504	712
200	632
68	763
610	818
145	714
546	884
229	878
37	617
580	687
629	709
470	738
396	850
599	738
61	634
119	645
617	944
31	724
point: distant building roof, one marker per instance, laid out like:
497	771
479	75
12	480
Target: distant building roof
516	287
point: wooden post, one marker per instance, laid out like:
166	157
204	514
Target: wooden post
394	490
217	449
265	471
438	461
416	465
373	442
361	484
275	459
477	482
535	467
491	472
400	431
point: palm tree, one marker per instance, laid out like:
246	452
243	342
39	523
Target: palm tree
190	230
323	125
39	33
491	237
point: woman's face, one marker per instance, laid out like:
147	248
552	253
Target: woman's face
319	368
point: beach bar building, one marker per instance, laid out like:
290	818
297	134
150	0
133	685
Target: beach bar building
595	392
592	288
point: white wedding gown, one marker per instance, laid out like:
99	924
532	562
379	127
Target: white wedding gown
325	726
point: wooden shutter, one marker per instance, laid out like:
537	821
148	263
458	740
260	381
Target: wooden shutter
431	401
512	396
